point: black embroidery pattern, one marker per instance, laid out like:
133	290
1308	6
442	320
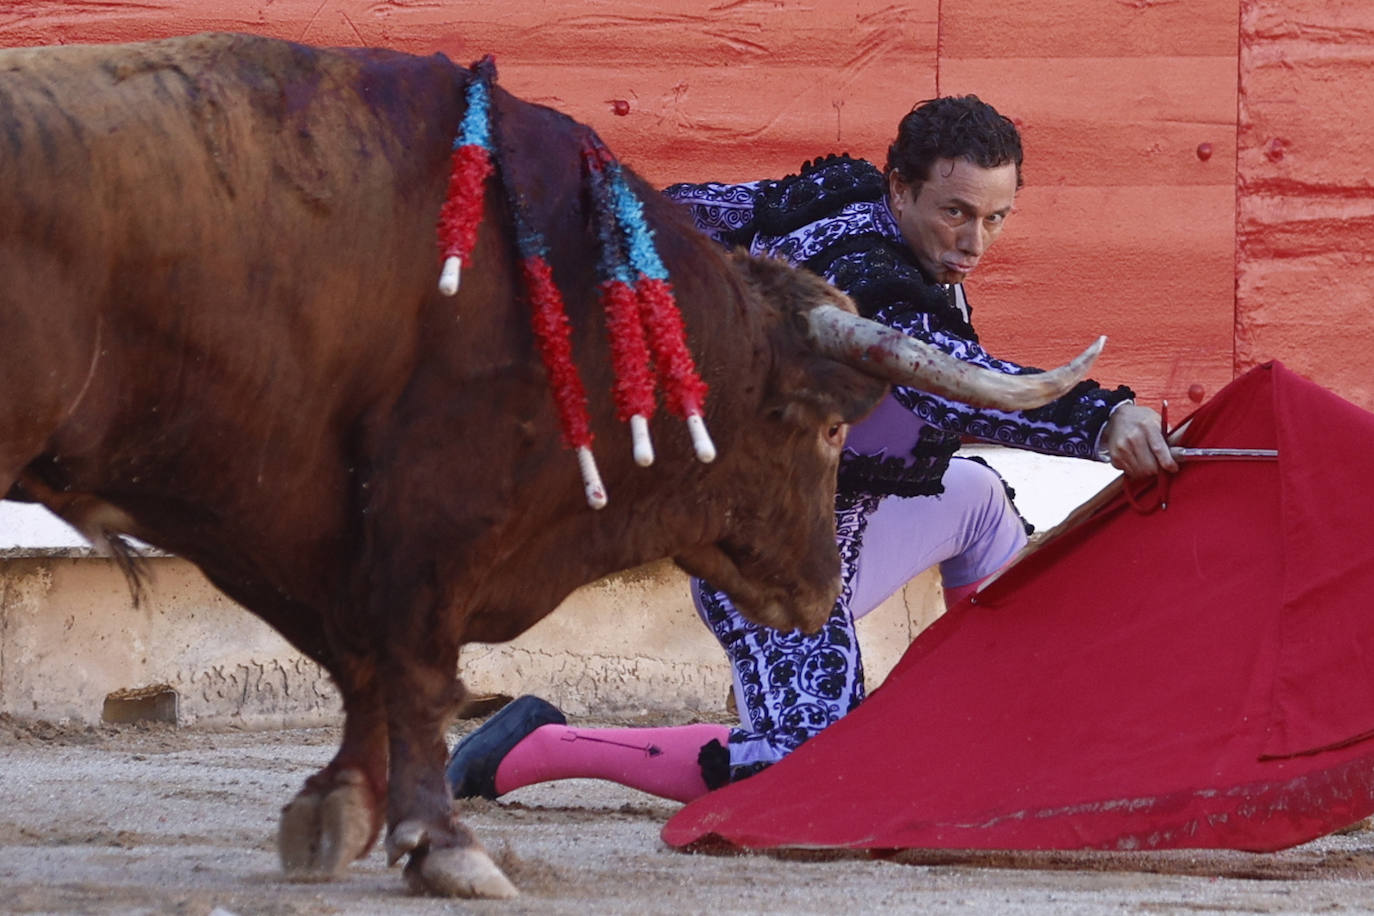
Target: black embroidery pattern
824	186
812	244
794	685
884	284
918	475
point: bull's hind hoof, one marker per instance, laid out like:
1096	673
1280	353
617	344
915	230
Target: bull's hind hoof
321	833
457	872
460	870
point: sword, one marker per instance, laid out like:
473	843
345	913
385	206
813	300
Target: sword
1209	454
1224	454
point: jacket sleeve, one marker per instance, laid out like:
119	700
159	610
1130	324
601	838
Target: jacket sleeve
1071	425
725	212
898	296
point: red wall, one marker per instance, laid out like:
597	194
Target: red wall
1305	215
1196	173
1121	226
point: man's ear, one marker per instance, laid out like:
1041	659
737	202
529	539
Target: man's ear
900	194
897	188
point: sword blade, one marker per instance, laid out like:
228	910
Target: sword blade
1225	454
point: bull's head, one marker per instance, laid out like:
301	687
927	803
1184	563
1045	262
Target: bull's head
827	368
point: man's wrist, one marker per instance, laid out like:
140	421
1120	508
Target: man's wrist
1100	450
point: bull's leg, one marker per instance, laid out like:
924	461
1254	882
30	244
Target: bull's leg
445	857
337	816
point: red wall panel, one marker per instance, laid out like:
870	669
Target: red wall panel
1305	270
1122	227
726	91
1196	268
1085	29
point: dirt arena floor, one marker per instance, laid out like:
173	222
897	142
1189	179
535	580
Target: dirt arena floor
144	819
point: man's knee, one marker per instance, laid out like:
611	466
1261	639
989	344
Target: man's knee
992	530
976	484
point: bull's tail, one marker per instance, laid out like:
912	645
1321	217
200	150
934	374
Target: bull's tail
101	523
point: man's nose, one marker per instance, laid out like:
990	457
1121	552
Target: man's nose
973	240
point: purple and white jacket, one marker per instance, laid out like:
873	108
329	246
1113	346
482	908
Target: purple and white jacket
833	219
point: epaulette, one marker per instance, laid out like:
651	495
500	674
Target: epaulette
822	187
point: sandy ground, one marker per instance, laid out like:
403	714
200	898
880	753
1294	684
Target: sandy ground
143	819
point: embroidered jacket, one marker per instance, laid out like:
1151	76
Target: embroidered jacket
833	219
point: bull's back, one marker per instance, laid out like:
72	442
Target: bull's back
214	253
227	192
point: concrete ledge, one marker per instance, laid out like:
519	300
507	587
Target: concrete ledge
73	648
633	643
70	637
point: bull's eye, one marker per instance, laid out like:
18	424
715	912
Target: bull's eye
836	433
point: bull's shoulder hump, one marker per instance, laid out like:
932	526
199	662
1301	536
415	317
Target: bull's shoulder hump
536	112
207	48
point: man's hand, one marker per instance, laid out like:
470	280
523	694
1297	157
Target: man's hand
1135	443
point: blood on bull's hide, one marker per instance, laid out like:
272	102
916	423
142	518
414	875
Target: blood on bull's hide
220	333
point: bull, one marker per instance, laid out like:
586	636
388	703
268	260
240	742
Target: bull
222	337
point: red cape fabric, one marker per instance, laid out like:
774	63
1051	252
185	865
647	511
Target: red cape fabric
1196	676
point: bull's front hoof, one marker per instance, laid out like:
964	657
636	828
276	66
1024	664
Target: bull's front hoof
446	871
321	833
467	872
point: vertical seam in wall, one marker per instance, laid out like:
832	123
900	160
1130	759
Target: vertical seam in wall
5	579
1236	243
940	41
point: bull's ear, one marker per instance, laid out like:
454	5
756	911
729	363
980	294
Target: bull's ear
811	388
830	391
791	290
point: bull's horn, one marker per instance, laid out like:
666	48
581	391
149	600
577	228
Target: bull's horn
889	354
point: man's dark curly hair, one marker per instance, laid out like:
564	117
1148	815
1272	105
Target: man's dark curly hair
952	127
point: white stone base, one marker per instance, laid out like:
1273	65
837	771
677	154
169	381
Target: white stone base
631	643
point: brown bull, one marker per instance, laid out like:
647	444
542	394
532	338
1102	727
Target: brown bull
220	333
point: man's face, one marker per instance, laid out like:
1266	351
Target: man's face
954	216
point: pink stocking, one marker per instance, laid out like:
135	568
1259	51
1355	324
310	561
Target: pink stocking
660	761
